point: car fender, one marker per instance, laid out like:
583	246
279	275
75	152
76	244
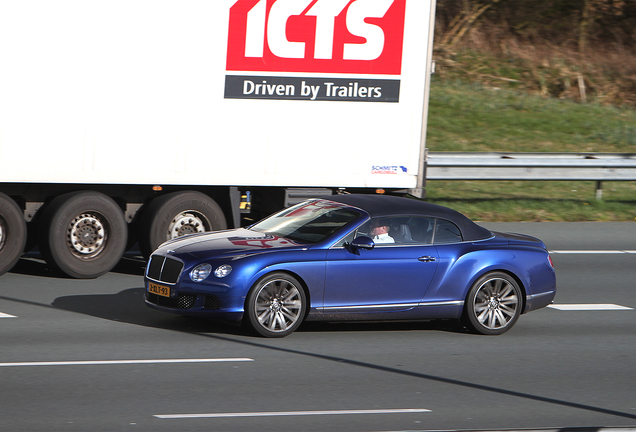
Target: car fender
309	269
456	274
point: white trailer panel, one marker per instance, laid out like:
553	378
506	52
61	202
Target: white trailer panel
133	92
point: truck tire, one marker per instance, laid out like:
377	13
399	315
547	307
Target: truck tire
176	214
13	233
83	234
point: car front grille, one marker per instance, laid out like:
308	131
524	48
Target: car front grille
164	269
183	301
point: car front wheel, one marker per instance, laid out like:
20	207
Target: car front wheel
493	304
276	305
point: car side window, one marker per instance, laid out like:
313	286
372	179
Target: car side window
392	231
346	240
446	232
416	230
400	231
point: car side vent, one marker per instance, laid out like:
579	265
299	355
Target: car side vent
211	302
164	269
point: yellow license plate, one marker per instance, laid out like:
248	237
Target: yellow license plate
161	290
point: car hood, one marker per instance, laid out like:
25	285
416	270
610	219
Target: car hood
237	242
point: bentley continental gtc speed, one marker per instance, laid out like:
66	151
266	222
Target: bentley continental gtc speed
353	257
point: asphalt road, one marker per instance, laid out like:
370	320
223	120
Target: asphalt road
89	356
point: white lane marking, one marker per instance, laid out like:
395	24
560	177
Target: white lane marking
603	429
4	315
588	307
120	362
290	413
593	251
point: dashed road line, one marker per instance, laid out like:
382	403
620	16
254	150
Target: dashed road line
125	362
592	252
4	315
290	413
588	307
564	429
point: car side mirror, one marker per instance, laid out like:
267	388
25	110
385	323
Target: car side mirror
363	242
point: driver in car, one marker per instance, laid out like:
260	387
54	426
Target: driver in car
380	231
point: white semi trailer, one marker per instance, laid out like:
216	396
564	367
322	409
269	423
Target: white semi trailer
142	120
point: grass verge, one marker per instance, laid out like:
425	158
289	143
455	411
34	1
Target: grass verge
559	201
473	117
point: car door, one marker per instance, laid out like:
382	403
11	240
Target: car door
390	277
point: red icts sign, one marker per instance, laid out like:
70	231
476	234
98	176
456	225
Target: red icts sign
317	36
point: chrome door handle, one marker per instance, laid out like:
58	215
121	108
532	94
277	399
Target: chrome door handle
426	259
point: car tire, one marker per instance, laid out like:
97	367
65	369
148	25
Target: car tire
83	234
13	233
493	304
176	214
276	305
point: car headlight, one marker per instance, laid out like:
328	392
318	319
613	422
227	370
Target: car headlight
223	271
200	272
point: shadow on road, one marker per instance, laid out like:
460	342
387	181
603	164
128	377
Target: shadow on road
35	266
128	306
32	264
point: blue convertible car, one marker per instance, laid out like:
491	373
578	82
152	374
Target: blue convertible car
353	257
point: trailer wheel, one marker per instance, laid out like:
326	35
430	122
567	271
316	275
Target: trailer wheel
83	234
176	214
13	233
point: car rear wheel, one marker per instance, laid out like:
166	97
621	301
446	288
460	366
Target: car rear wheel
276	305
493	304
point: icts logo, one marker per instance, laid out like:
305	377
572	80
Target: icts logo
317	36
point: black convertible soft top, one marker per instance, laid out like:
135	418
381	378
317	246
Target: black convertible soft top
388	205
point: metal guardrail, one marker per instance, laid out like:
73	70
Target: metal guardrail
598	167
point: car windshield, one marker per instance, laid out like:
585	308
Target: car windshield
307	222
